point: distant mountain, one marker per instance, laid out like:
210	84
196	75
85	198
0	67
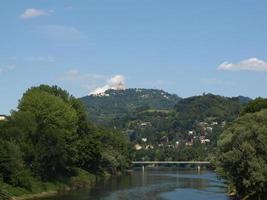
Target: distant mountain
119	105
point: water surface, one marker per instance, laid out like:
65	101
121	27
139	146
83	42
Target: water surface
158	185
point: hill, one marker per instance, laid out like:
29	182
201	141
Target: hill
208	107
163	126
114	107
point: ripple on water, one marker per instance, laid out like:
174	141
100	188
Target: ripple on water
177	186
193	194
155	185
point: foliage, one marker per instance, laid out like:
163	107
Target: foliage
116	154
200	108
49	138
56	128
155	114
11	165
116	107
242	155
255	106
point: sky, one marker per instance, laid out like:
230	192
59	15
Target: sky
185	47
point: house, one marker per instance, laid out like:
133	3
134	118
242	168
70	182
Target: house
2	117
190	132
203	124
209	129
204	141
202	137
189	144
144	124
214	123
144	139
149	146
138	147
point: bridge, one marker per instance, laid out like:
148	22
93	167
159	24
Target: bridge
143	163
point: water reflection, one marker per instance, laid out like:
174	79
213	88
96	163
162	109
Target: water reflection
159	185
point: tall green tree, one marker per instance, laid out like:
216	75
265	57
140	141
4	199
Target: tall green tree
50	137
242	155
56	131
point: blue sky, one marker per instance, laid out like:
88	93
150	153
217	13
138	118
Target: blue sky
185	47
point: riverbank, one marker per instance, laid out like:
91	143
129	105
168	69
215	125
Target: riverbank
35	196
82	179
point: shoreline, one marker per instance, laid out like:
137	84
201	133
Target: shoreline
86	184
37	195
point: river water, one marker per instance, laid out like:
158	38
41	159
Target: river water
155	185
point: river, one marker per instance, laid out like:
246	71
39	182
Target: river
155	185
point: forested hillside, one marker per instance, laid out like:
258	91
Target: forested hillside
115	107
163	126
207	107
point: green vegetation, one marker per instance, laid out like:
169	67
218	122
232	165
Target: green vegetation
163	126
49	143
255	106
242	152
206	107
115	107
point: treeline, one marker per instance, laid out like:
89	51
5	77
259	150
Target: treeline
49	138
242	152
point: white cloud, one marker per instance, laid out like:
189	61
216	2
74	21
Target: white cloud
251	64
92	81
32	13
116	82
60	32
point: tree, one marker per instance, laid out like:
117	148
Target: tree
12	165
56	130
255	106
50	137
242	155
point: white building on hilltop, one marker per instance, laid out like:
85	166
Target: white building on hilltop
2	117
